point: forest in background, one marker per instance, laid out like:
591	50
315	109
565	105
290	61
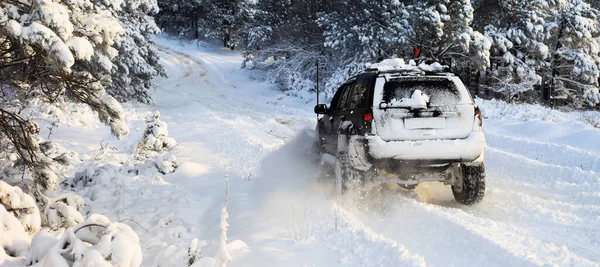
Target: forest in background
542	51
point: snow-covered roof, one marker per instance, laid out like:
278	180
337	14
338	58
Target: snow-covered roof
399	64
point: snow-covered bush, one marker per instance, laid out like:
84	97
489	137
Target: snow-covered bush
21	205
157	145
94	242
52	160
15	240
62	211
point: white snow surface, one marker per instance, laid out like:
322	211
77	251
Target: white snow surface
542	204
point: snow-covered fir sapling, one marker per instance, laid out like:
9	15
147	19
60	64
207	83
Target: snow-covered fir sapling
223	256
157	145
194	252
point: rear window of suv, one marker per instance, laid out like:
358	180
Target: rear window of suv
441	92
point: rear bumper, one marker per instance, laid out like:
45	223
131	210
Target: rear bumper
455	150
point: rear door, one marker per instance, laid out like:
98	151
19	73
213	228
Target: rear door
331	121
422	108
358	103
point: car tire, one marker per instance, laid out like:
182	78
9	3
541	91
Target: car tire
345	176
472	187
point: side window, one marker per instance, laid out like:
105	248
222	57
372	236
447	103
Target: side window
343	105
360	92
336	98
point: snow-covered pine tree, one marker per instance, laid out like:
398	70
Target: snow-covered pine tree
138	60
443	33
519	47
293	43
363	32
181	17
226	20
54	50
574	67
256	30
359	32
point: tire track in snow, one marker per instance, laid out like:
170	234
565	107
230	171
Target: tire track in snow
545	152
529	211
427	229
358	245
556	204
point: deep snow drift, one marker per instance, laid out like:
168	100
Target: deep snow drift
542	204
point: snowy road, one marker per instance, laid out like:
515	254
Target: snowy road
542	204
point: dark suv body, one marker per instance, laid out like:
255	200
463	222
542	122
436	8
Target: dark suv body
404	127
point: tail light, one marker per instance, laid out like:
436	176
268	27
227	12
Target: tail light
478	116
477	112
367	117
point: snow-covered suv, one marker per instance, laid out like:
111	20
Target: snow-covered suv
403	126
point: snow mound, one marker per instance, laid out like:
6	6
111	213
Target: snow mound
15	240
21	205
108	244
399	64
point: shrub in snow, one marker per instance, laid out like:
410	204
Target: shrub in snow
51	161
157	145
99	174
14	240
62	211
21	205
94	242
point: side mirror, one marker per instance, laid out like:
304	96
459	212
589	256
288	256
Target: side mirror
321	109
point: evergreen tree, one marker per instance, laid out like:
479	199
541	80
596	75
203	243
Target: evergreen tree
519	48
555	41
138	60
444	34
367	31
181	17
575	61
54	51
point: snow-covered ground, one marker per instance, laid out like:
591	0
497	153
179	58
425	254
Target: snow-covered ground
542	204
